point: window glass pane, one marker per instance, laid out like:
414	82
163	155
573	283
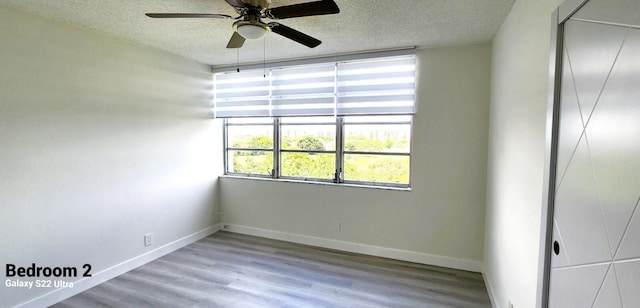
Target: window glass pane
390	138
250	136
232	121
308	120
250	162
377	119
308	165
377	168
309	137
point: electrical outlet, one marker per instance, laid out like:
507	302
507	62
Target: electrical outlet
147	239
336	226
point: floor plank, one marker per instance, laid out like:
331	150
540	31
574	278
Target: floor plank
234	270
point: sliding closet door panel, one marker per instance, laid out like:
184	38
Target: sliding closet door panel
630	244
629	280
591	50
609	295
576	286
596	224
572	125
621	12
579	217
614	139
561	260
586	67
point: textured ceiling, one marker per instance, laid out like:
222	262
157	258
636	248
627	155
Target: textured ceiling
362	25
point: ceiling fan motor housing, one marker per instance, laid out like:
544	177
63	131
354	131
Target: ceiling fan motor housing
251	28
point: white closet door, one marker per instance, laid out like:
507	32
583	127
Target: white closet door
596	224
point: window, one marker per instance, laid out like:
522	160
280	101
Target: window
370	150
377	149
249	146
343	121
308	148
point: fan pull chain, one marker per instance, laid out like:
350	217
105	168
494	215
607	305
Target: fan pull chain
238	60
264	57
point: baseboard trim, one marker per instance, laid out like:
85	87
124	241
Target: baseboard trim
491	291
81	285
392	253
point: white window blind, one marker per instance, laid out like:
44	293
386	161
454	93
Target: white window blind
370	85
376	86
303	90
243	94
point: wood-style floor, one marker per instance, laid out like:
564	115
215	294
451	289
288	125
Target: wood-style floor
233	270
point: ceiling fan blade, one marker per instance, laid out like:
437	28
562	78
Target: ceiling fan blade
236	41
236	3
187	15
294	35
322	7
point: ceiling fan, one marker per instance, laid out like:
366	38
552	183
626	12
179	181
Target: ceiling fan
249	24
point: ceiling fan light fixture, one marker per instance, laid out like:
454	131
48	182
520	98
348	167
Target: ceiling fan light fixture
249	24
252	31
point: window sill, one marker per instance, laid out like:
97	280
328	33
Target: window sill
240	177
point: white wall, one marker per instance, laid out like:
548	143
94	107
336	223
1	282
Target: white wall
520	66
101	141
440	221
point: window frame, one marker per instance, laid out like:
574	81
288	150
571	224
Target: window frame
381	153
340	153
227	148
281	150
